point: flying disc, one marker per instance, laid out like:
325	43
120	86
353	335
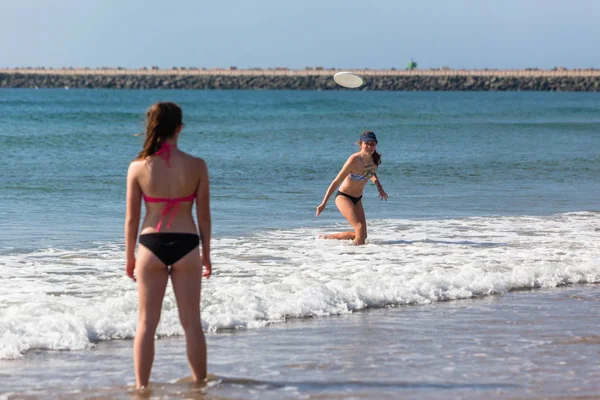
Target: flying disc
348	79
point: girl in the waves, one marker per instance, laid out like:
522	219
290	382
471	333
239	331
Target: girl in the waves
169	181
353	177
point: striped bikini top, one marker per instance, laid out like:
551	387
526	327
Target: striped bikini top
172	205
368	171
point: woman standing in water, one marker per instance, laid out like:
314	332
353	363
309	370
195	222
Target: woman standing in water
353	177
169	181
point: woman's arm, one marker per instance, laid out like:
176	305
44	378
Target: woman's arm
382	194
132	218
204	219
336	182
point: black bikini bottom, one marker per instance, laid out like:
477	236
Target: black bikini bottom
170	247
354	200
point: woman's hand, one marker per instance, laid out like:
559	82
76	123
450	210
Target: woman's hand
207	267
382	194
130	268
320	209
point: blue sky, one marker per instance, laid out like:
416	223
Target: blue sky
295	34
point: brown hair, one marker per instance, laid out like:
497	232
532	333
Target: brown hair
376	155
162	121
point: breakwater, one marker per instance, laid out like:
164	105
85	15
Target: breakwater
319	79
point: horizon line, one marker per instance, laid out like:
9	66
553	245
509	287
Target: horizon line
307	71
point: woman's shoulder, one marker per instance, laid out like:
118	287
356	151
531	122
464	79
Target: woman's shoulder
351	160
355	157
192	158
197	162
135	164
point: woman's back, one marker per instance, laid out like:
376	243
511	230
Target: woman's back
169	182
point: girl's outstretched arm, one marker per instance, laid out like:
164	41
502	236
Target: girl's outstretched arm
336	182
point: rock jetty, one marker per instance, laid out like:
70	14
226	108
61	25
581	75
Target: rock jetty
310	79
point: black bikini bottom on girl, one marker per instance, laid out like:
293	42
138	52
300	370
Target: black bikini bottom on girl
170	247
354	200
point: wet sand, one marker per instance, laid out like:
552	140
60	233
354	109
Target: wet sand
538	344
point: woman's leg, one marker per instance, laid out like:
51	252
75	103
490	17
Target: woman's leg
355	218
360	212
152	277
186	276
349	235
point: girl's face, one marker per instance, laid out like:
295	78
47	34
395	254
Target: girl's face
368	147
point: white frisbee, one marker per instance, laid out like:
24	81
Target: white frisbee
348	79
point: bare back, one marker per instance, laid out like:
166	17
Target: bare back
178	178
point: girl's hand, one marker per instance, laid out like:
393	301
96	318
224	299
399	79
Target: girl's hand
382	194
207	267
320	209
130	268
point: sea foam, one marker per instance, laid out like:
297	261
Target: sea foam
68	299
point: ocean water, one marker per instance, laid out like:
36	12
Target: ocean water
492	196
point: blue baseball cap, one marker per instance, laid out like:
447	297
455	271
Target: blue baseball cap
368	137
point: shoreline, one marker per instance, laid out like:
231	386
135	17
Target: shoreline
499	347
580	80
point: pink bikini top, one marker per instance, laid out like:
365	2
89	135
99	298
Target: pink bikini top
172	205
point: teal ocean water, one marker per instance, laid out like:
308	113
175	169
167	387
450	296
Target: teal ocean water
272	155
489	193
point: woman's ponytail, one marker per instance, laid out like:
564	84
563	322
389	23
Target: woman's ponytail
162	121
